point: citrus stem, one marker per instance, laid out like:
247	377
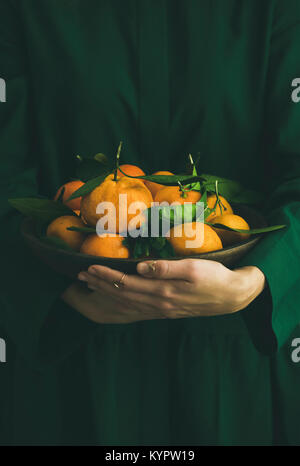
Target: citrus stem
218	201
183	190
194	173
117	161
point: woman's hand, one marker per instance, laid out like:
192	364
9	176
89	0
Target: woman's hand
104	307
174	289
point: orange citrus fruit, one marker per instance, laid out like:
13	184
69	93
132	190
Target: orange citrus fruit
233	221
58	229
211	202
70	188
109	192
172	194
105	246
131	170
204	240
155	187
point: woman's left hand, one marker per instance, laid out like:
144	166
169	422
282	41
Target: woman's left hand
183	288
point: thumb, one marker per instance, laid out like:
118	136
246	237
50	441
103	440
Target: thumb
163	269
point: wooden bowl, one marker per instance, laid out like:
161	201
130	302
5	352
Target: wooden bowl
71	263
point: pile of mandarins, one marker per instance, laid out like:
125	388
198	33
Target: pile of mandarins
138	190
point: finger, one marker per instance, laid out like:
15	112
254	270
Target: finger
168	270
122	294
122	307
131	282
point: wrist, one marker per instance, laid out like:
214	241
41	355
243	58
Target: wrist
249	283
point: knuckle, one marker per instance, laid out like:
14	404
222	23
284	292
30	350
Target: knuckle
162	268
92	282
193	270
94	270
166	306
183	286
165	292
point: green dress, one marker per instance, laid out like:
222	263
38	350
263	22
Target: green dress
167	77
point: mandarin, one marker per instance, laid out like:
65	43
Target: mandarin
155	187
211	202
204	240
109	192
105	246
70	188
131	170
232	221
58	229
172	194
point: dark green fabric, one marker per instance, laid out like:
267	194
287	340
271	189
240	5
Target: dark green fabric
167	77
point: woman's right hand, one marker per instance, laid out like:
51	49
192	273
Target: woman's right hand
103	308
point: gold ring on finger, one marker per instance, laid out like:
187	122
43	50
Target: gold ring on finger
120	283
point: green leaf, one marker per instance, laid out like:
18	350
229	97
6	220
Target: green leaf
158	243
89	168
207	212
167	180
138	250
88	187
43	209
88	230
148	247
176	214
233	191
253	231
168	251
126	242
194	186
102	158
172	180
61	195
204	200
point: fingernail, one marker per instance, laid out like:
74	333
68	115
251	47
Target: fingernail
147	267
82	277
144	268
93	271
152	266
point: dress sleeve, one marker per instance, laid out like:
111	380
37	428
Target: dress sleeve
278	254
29	290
